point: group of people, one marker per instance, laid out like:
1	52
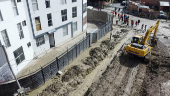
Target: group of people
125	20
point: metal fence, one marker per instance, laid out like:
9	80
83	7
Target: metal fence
40	76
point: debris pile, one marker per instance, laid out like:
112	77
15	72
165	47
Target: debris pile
99	53
72	77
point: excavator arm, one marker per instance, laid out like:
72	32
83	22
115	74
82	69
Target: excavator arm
146	37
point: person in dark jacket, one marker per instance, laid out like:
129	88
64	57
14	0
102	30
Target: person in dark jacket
116	22
142	26
138	22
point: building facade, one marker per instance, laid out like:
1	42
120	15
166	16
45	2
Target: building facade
54	21
30	27
14	34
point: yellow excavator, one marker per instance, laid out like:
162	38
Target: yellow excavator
139	46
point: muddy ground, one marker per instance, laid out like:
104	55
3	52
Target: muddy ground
133	77
124	76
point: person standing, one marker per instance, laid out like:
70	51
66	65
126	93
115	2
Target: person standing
132	22
127	23
122	17
124	20
142	26
115	13
116	22
138	22
145	27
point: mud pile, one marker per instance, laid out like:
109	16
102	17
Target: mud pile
99	53
68	82
120	35
157	74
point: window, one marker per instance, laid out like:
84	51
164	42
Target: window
21	34
74	12
63	2
38	23
47	3
1	19
6	39
64	14
35	5
84	7
14	6
24	23
19	55
50	23
74	26
18	0
29	44
74	0
65	30
40	41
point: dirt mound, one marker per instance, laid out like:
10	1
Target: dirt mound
101	52
65	84
54	89
107	45
124	30
98	53
91	61
74	72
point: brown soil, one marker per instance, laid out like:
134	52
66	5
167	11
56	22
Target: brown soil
133	77
158	72
124	76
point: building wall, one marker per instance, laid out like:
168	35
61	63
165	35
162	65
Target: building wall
55	10
85	17
10	24
152	2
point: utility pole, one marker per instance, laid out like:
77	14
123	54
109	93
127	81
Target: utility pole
20	90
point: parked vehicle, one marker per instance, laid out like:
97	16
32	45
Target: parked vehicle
123	2
161	13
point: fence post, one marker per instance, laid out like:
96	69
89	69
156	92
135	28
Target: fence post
57	63
32	81
89	40
67	55
86	41
83	43
76	50
43	74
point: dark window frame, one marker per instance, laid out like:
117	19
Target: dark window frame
64	15
18	55
74	12
47	3
50	22
40	41
74	0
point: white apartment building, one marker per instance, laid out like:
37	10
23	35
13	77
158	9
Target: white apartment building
54	21
14	34
30	27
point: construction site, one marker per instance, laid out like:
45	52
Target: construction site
125	61
107	69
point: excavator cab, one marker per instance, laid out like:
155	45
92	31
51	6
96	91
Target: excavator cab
137	39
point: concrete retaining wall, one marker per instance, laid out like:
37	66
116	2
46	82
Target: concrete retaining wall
93	15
